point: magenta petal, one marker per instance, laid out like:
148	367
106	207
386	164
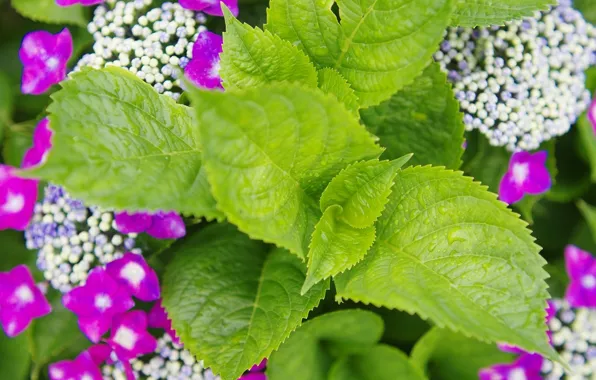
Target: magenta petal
506	347
526	367
41	145
157	318
167	226
82	368
215	10
253	376
66	3
129	223
17	199
196	5
133	272
509	191
99	353
36	79
259	367
94	328
129	337
592	114
577	261
203	68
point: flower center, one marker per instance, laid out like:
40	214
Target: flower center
103	302
133	273
517	374
126	338
520	173
14	203
52	63
214	72
24	294
588	281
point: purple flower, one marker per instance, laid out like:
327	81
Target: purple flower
526	367
129	337
256	372
97	302
581	268
161	225
20	300
86	3
211	7
592	114
82	368
44	57
203	68
527	174
102	353
42	143
133	272
17	199
158	318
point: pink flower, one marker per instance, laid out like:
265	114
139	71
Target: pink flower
211	7
17	199
592	114
97	302
86	3
102	353
526	367
82	368
132	272
581	268
44	57
158	319
161	225
527	174
42	143
256	372
129	337
203	68
20	300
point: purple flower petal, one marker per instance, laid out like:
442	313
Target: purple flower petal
17	199
99	353
253	376
158	318
211	7
592	114
82	368
526	367
132	222
133	272
66	3
167	226
203	68
259	367
44	57
97	302
506	347
20	300
41	145
129	337
581	268
527	174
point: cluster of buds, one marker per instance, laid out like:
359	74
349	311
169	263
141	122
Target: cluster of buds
72	239
154	43
522	83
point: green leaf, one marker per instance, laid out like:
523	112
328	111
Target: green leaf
55	336
310	351
138	144
17	139
335	247
382	362
447	355
331	82
587	142
423	118
14	357
379	47
589	214
587	8
488	164
6	104
269	153
252	57
49	12
362	190
472	13
233	300
14	252
449	251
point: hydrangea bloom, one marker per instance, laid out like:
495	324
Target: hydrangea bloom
44	57
158	318
86	3
211	7
203	68
129	337
20	300
161	225
527	174
581	268
42	143
132	272
97	303
82	368
527	367
154	43
592	114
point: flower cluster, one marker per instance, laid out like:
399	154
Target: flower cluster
572	329
153	43
527	174
72	238
523	83
160	225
